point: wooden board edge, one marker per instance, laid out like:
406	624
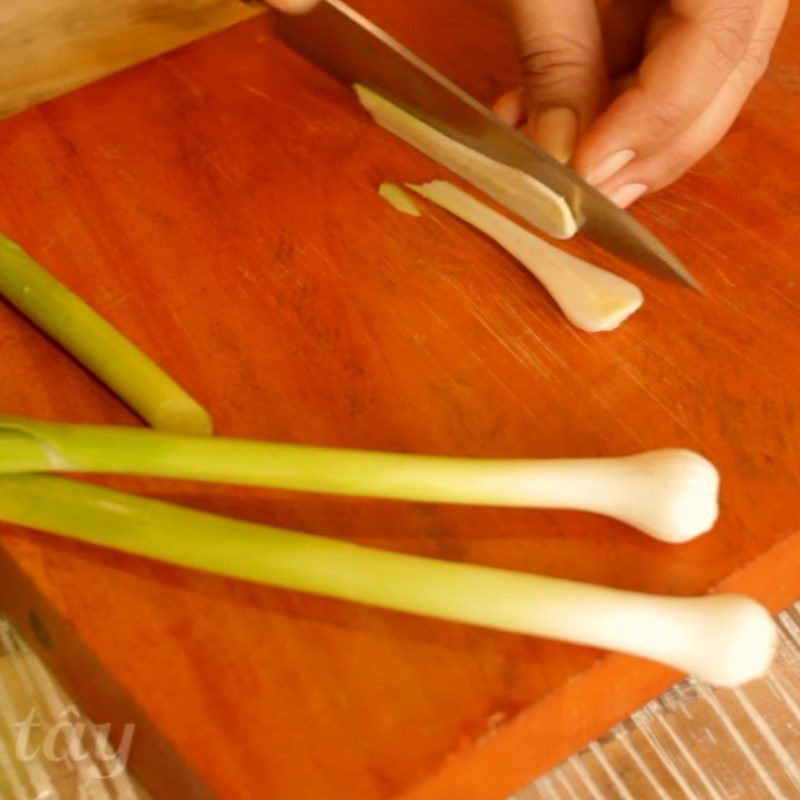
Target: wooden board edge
153	759
552	730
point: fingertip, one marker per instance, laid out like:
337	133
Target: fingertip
625	196
555	130
607	147
510	107
590	152
293	6
606	168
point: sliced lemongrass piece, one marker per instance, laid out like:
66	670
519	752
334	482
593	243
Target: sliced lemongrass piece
398	199
591	298
723	639
671	495
512	188
96	344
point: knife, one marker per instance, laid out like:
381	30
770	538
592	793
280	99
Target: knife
352	48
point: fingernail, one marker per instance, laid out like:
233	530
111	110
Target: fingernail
628	194
556	130
609	166
510	107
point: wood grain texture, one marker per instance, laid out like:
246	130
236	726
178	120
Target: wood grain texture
219	205
52	46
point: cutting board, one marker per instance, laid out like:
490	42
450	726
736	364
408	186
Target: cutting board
52	46
219	205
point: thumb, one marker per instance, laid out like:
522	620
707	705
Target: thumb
561	50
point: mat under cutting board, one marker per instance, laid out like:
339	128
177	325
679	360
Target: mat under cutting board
219	205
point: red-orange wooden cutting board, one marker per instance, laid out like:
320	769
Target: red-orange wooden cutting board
219	205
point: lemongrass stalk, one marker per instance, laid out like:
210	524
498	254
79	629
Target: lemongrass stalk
512	188
96	344
724	639
591	298
398	199
20	452
671	495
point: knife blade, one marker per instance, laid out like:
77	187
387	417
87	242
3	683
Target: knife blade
346	44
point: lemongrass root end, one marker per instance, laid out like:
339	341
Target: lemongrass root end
676	495
740	644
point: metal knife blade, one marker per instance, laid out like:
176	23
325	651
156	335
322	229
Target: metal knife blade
349	46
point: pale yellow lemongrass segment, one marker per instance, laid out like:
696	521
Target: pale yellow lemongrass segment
99	346
512	188
671	495
724	639
591	298
398	199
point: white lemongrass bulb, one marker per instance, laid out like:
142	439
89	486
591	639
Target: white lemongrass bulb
739	641
725	639
672	495
591	298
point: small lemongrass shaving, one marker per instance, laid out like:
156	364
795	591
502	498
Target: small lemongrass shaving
724	639
97	344
512	188
593	299
399	200
672	495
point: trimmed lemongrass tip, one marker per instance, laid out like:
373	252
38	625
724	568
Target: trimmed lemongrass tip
723	639
96	344
591	298
399	200
512	188
668	494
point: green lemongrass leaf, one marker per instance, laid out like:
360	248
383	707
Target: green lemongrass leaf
669	494
96	344
20	452
725	639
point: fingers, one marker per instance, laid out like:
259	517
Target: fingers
701	47
511	107
654	171
293	6
624	24
561	50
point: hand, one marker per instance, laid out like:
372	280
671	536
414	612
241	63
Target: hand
293	6
636	91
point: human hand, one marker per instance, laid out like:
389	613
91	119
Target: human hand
636	91
293	6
